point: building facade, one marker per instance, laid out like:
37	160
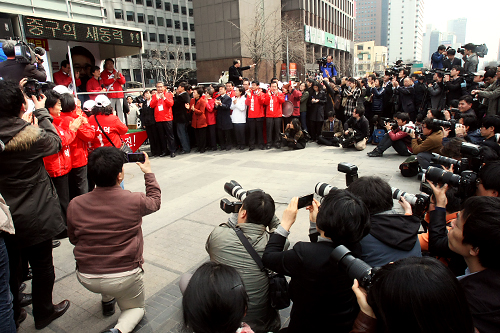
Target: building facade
371	21
405	30
458	27
369	58
168	38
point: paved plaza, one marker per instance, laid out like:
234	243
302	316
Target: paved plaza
175	236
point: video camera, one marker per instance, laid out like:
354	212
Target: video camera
481	50
26	53
322	61
398	67
234	189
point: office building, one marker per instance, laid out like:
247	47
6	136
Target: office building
458	27
371	21
370	58
405	30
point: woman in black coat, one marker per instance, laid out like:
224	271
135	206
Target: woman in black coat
32	198
323	300
316	113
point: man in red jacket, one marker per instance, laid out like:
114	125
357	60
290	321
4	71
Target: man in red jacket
114	81
63	76
108	241
396	137
162	102
94	84
255	115
273	101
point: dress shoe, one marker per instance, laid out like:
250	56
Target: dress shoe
261	147
55	243
375	153
228	148
268	146
25	299
113	330
59	310
22	287
108	308
163	154
251	148
182	152
22	316
172	155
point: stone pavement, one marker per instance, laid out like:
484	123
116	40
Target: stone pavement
175	236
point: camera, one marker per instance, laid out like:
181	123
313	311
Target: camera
322	189
34	88
355	268
419	202
350	170
409	130
230	207
321	61
26	53
465	182
448	162
481	50
234	189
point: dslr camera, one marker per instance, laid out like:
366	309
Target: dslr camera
234	189
355	267
34	88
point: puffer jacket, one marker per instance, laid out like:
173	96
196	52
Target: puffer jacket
24	182
59	164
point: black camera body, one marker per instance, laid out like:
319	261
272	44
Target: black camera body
234	189
465	182
230	207
419	202
355	268
321	61
26	53
350	170
34	88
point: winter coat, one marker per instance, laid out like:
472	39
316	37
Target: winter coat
210	112
273	105
79	146
224	113
492	93
93	85
235	73
199	119
108	79
59	164
337	127
438	95
351	100
254	102
455	89
303	101
179	109
360	126
378	99
392	237
113	127
317	110
24	182
10	69
294	97
163	107
147	115
239	110
437	60
431	144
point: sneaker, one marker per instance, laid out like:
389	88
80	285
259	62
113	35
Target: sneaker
375	153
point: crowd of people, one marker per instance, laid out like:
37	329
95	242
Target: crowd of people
60	156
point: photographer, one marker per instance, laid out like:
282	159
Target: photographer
395	137
468	130
492	93
392	236
438	57
24	183
489	127
406	96
108	241
328	69
331	126
10	69
356	131
455	84
431	144
471	59
437	92
474	235
320	290
255	219
451	60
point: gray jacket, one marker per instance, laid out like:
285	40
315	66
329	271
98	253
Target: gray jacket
470	65
224	246
492	93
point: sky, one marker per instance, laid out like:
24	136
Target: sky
482	20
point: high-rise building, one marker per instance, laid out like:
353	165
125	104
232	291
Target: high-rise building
405	30
458	27
370	58
225	29
371	21
168	37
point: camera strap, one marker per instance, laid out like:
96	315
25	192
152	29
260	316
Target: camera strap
255	256
107	137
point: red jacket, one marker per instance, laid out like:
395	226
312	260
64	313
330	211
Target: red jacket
273	105
294	97
199	119
93	86
211	112
108	79
400	135
59	164
84	135
163	108
254	102
65	79
113	127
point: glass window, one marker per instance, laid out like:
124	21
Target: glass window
360	47
191	27
130	16
140	17
194	56
178	40
149	3
184	26
193	42
190	11
170	39
158	4
169	23
176	8
186	41
183	10
177	24
144	36
151	19
167	6
161	38
152	37
171	55
187	56
118	14
160	21
138	2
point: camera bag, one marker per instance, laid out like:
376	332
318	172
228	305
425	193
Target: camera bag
410	167
278	286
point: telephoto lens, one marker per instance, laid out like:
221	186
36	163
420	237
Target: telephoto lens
322	189
355	268
397	194
407	129
470	149
440	176
234	189
443	160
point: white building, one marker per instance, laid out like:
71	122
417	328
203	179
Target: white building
405	30
369	58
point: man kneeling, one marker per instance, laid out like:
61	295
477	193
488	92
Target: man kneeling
105	227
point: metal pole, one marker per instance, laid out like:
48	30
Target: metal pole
72	71
287	61
142	72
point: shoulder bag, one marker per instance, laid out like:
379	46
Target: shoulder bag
124	147
278	286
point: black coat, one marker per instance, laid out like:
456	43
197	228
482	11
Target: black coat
320	290
406	99
388	101
10	69
224	113
448	64
24	182
455	89
179	108
147	115
235	73
317	110
419	89
361	127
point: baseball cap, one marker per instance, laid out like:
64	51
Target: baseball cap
88	105
479	73
102	101
62	89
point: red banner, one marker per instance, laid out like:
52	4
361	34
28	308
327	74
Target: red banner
135	140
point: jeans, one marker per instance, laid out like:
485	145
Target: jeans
7	324
398	145
183	136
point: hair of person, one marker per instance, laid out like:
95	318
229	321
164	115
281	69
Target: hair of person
470	121
437	114
260	208
403	116
458	68
210	90
200	90
245	79
215	300
64	63
360	113
296	124
235	61
372	76
11	99
67	102
95	68
8	48
221	86
338	81
105	163
257	83
492	121
352	80
452	148
420	117
482	228
48	86
454	103
488	154
52	98
241	90
146	91
102	110
109	59
431	125
310	80
380	82
439	75
466	98
471	47
343	217
375	192
331	114
231	83
490	175
454	202
418	295
451	51
490	73
80	50
317	84
441	47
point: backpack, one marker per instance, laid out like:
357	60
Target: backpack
377	135
410	167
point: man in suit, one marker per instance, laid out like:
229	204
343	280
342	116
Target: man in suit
235	72
406	96
451	60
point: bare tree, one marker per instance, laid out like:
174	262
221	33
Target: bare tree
169	64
